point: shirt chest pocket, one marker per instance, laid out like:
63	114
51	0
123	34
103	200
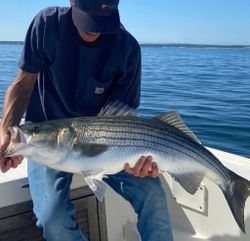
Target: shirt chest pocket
93	95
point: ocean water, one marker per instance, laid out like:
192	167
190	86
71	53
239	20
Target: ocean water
208	86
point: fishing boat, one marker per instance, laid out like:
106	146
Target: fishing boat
203	216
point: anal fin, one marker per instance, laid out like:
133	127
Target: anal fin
189	181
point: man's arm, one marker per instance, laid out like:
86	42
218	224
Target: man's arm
15	104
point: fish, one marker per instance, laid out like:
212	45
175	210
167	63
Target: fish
97	146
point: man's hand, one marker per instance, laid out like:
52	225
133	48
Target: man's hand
11	162
144	167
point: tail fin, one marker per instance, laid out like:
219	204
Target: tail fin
236	194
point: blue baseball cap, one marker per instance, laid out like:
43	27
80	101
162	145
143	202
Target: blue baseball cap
97	16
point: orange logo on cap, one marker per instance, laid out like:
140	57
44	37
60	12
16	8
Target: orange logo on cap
104	6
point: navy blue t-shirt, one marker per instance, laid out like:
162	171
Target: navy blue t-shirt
77	78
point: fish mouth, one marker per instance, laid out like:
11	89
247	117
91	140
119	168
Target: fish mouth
13	151
19	142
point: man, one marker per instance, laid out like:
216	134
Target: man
74	61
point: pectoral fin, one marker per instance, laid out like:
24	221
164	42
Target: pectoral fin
189	181
94	180
90	150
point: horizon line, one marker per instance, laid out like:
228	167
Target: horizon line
152	43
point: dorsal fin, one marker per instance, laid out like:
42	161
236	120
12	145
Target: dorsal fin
117	108
174	119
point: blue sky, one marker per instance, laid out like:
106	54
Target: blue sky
158	21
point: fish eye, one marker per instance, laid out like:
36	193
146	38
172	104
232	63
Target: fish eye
35	129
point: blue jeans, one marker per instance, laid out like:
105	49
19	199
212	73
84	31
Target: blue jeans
50	194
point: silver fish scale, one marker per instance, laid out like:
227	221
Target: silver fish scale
145	134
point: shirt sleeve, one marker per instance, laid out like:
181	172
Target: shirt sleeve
127	87
32	58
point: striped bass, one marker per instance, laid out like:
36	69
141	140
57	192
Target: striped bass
101	145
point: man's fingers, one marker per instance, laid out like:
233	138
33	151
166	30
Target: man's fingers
137	168
155	170
17	160
15	164
7	165
128	169
139	165
146	169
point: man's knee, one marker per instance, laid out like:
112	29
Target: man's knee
52	228
47	217
55	224
55	213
